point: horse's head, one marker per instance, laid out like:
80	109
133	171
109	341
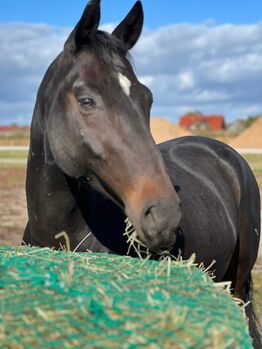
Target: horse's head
98	125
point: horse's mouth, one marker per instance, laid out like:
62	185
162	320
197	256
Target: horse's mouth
105	189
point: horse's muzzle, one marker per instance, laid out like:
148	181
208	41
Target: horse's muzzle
159	222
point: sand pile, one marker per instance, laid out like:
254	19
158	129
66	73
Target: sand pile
163	130
250	138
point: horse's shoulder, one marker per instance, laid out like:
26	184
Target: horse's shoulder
210	158
194	141
198	147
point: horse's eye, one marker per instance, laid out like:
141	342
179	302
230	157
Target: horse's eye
86	101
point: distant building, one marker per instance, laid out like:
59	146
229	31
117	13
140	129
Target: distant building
7	131
13	128
202	122
5	128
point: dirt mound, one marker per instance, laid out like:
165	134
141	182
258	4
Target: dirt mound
251	137
14	141
162	130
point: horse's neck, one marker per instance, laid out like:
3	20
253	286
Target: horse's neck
46	183
105	219
56	197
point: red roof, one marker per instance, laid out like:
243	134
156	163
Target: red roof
5	128
215	122
13	128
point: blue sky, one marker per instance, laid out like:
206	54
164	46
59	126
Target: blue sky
157	13
193	54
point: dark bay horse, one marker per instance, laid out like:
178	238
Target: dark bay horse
93	161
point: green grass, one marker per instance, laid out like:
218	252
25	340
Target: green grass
13	154
255	162
7	166
16	135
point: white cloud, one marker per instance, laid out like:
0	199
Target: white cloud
26	50
186	80
208	67
213	68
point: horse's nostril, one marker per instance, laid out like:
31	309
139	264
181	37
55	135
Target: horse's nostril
159	223
148	211
150	217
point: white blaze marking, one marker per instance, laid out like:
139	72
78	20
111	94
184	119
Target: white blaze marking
125	83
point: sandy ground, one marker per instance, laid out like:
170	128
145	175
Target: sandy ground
13	216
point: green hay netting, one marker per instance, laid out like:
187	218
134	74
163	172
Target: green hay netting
54	299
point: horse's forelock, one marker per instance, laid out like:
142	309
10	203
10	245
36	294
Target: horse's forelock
104	45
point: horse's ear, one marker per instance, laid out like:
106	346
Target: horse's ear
87	25
129	30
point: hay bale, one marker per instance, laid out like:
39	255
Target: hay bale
54	299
